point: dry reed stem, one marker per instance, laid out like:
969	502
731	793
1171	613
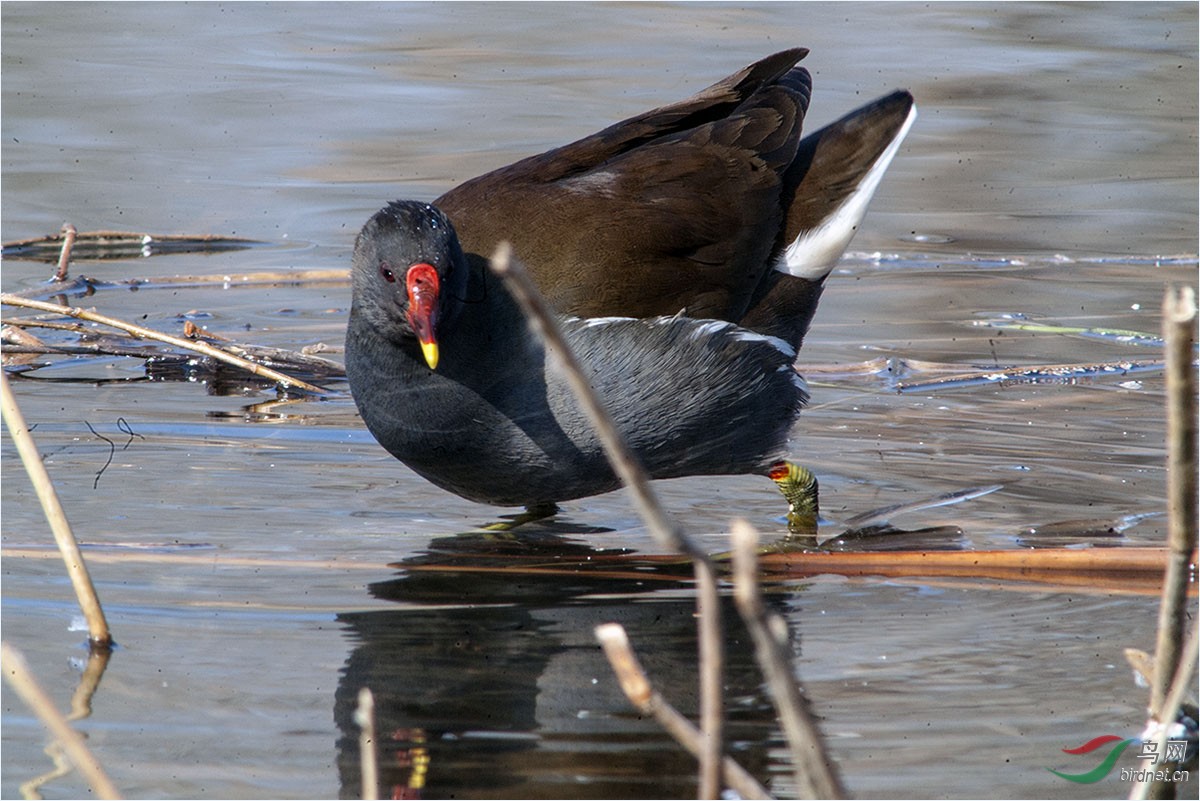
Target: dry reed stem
638	689
1171	660
368	755
815	773
98	633
148	333
18	675
633	475
1179	328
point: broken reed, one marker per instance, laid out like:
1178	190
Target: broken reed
98	633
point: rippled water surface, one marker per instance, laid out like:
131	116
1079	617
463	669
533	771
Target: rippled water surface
261	561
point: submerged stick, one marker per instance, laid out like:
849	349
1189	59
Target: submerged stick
149	333
1040	564
368	756
815	773
18	675
633	475
98	633
638	689
224	280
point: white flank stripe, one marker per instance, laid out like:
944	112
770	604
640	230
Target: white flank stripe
595	322
696	329
815	252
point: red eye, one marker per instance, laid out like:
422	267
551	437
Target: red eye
387	274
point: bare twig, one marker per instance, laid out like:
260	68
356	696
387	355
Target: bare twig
816	775
368	755
18	675
98	633
633	475
637	688
148	333
64	257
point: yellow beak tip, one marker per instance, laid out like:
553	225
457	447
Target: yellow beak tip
430	351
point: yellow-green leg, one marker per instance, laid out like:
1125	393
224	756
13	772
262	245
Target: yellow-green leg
536	512
799	488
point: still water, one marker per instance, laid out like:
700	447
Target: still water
261	562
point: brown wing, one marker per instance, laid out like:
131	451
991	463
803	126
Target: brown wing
677	208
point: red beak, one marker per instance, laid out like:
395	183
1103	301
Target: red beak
423	286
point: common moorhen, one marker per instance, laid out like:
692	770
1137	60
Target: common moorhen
686	248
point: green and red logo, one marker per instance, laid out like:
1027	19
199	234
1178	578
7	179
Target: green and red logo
1106	765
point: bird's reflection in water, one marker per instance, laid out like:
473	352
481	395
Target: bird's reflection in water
488	682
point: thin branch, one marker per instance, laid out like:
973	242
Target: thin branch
637	688
816	775
633	475
98	633
148	333
18	675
